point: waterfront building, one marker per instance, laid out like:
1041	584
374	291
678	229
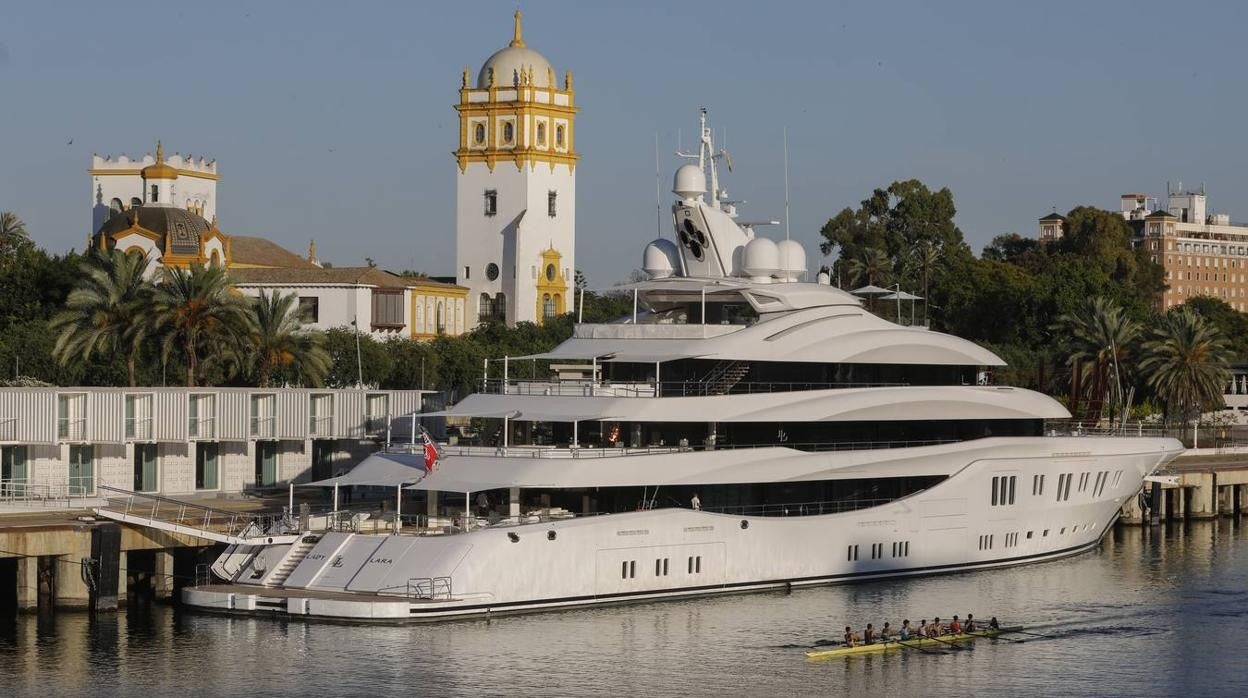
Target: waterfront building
179	441
1202	253
515	216
166	209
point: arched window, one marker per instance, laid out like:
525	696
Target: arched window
135	201
558	304
215	259
509	132
478	134
548	306
500	306
485	311
116	205
559	136
441	326
155	194
541	134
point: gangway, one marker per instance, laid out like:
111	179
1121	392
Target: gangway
191	519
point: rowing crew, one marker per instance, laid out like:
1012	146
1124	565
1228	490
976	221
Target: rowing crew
907	631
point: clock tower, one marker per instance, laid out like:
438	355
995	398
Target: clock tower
515	221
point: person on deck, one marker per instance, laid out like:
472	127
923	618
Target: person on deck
904	633
868	635
695	502
955	627
851	638
970	623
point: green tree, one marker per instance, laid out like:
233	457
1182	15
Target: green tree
1011	247
373	362
1187	363
279	347
1100	337
197	312
12	231
869	266
108	312
1230	323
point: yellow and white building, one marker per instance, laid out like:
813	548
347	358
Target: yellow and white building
515	220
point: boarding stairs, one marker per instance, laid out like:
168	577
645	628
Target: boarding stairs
724	376
293	557
192	519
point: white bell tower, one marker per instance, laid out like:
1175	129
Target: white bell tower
515	216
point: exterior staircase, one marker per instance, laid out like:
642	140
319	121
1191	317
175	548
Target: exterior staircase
724	377
293	557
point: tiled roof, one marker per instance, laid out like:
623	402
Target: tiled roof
258	252
312	275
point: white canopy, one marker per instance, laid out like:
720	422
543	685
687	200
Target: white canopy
869	290
384	469
901	296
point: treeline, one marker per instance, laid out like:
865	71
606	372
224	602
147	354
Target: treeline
1085	304
95	319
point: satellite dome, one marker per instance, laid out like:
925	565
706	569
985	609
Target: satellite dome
689	182
661	259
792	260
762	259
824	278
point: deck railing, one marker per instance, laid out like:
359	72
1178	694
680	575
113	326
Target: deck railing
189	514
619	451
588	388
833	506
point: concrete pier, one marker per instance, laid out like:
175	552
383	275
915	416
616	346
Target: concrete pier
1209	485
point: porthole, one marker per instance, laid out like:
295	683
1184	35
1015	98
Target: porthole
509	132
550	535
745	525
491	271
513	537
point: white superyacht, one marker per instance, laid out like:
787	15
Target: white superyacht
741	430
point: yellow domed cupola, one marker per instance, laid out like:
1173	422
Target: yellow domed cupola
159	170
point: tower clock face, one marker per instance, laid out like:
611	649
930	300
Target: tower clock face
491	271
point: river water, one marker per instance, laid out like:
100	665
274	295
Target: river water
1151	612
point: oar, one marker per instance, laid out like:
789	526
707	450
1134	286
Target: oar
951	644
914	647
1024	632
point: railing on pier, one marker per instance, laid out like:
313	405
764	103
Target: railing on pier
194	519
17	491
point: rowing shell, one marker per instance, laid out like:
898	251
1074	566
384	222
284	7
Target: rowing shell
916	643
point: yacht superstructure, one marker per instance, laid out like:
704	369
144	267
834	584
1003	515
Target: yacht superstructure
742	429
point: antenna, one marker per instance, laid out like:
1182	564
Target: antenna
786	182
658	200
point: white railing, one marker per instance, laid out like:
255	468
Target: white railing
557	452
139	428
263	427
23	492
322	425
202	428
71	429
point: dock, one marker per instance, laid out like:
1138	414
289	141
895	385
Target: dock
1200	484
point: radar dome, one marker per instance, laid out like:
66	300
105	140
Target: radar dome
761	259
689	182
792	260
661	259
824	278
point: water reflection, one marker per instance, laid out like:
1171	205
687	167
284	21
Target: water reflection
1151	612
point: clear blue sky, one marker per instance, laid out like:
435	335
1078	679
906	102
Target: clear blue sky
334	121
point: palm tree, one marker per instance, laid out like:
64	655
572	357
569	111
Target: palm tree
871	264
277	343
198	311
12	230
926	257
1101	335
107	312
1187	362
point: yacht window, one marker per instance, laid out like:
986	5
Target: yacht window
664	567
697	564
994	491
1013	478
907	553
624	570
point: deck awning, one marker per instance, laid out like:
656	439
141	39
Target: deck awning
379	469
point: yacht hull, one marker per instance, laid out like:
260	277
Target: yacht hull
971	520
